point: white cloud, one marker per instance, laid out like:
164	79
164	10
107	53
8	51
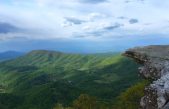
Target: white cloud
94	16
53	19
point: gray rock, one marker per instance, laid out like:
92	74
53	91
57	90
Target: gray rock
155	61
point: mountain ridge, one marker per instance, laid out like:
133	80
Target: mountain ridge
40	75
38	57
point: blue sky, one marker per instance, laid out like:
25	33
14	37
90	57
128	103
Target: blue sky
82	25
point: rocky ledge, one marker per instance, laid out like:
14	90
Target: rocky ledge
155	61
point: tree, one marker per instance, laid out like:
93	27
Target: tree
60	106
85	102
130	99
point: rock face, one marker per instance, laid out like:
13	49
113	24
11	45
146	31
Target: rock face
155	61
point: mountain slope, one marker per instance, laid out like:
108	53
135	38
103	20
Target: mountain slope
43	78
45	58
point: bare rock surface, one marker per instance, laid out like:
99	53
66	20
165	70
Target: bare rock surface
155	61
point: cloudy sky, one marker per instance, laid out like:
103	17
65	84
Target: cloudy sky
82	25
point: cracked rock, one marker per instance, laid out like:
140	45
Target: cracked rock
155	61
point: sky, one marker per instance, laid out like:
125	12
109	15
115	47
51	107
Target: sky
83	26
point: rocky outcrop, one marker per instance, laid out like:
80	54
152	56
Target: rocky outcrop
155	61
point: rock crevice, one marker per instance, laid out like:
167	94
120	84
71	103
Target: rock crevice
155	61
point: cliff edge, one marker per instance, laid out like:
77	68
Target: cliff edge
155	61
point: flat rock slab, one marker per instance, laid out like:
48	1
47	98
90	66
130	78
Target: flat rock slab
154	51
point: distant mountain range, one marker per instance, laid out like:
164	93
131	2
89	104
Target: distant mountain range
40	79
10	55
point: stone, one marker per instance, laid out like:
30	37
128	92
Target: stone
155	61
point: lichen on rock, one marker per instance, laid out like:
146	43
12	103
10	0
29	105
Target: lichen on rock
155	61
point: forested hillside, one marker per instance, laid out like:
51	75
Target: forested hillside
43	79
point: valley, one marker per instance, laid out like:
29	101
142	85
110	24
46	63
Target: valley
41	79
